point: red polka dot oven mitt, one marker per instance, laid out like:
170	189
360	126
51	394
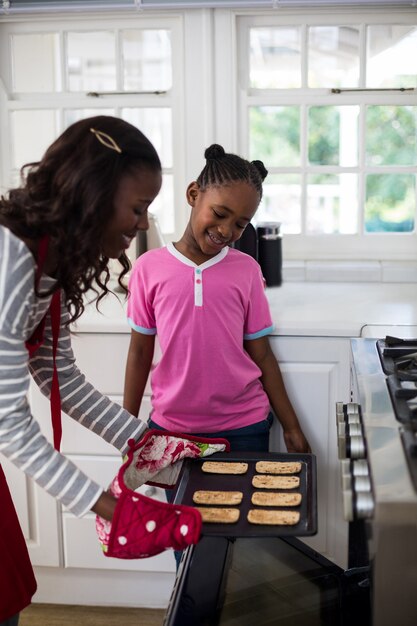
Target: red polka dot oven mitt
142	527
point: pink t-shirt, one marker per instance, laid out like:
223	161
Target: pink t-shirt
204	381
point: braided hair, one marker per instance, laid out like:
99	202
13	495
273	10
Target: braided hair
223	168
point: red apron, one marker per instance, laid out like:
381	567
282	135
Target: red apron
17	581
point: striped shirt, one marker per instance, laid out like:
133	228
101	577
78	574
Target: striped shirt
21	440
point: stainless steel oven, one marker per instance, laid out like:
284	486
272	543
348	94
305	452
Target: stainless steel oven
257	581
377	439
247	577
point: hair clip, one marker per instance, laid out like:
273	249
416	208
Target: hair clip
106	140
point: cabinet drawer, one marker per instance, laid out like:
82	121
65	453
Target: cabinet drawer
76	439
102	359
103	469
81	544
82	549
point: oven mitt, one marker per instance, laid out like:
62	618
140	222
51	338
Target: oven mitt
142	527
157	457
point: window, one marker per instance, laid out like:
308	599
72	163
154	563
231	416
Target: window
327	98
329	104
57	73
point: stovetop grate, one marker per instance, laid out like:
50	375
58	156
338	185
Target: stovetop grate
399	362
395	358
409	440
399	399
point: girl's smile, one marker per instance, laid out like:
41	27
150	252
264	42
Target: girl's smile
217	241
218	218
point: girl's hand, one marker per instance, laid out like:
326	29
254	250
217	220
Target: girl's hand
295	441
105	506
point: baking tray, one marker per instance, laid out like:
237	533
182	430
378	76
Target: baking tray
193	478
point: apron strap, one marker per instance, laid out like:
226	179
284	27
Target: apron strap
36	340
55	310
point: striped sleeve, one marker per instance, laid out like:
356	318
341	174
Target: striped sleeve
21	440
79	399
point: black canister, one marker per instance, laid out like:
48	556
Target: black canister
248	242
270	252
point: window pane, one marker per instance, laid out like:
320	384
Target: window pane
31	52
332	204
281	202
274	134
392	56
163	205
31	134
275	57
147	60
91	61
333	56
333	135
391	135
390	203
156	124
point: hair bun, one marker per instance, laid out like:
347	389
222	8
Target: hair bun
214	152
261	169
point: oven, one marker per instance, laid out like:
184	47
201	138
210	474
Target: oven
263	577
377	441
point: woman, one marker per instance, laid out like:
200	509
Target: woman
80	206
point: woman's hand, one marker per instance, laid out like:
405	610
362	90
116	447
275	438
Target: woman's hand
105	506
296	441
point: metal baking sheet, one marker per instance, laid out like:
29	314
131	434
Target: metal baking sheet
192	478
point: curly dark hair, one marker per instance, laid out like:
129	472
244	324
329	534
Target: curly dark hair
69	194
223	168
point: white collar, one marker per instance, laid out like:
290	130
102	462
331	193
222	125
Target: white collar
183	259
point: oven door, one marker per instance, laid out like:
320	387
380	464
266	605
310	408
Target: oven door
264	581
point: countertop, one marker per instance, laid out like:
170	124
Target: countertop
306	309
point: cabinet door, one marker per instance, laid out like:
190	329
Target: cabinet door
316	376
102	359
80	541
37	511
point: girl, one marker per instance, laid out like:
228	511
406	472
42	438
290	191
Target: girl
81	205
217	375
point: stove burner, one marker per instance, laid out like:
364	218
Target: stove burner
402	398
405	393
396	341
399	359
406	367
409	441
399	362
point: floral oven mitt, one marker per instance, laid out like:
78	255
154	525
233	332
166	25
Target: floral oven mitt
142	527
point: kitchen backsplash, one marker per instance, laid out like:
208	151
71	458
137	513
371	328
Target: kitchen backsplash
350	271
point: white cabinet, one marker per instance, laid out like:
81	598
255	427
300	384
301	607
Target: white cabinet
67	557
316	372
69	564
38	516
316	375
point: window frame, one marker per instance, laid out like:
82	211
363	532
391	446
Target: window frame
363	246
63	100
209	101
